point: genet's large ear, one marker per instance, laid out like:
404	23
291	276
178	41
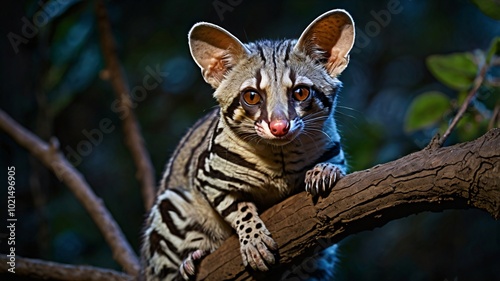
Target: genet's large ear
328	39
215	51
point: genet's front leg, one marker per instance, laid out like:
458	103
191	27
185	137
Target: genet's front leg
256	244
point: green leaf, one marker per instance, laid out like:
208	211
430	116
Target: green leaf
470	127
494	49
461	96
490	8
426	110
456	71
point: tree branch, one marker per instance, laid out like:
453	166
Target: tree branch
58	271
52	158
476	84
457	177
133	137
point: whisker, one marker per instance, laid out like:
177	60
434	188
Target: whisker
321	131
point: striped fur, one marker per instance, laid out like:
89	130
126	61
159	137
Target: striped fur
243	157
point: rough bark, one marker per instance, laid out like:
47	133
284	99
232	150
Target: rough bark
465	175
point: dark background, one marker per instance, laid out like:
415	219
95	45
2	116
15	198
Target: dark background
52	86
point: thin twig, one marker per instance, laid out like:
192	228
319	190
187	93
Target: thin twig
59	271
133	138
53	159
477	83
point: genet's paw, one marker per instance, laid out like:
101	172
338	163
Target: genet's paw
321	178
188	266
257	246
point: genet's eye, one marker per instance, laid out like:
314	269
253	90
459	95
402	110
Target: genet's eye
251	97
301	93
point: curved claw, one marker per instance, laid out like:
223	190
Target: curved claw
322	178
188	267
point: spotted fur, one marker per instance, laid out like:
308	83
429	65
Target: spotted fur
272	135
